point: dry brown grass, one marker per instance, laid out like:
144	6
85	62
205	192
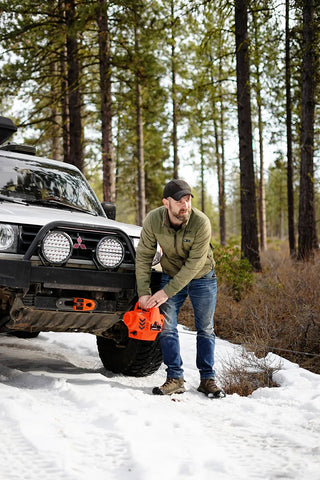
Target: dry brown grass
245	374
280	314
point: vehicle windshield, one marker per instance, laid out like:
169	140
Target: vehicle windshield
41	182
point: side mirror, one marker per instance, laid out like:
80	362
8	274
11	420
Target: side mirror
7	128
110	209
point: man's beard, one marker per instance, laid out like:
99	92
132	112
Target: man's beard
182	217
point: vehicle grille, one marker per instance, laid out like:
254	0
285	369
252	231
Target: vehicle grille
27	234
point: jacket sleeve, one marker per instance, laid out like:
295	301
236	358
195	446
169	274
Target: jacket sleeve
145	253
195	261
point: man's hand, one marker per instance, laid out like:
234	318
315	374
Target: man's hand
143	301
155	300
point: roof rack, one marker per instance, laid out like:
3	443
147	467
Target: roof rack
19	148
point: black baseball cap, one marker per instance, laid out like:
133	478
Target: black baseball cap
176	189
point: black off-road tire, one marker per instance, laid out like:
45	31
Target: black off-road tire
137	358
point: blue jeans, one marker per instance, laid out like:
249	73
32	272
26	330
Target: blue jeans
203	296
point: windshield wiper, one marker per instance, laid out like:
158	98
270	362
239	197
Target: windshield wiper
57	202
12	199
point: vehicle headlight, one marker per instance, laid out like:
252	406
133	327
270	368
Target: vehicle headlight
110	252
56	247
8	237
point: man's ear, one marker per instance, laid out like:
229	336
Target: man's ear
165	202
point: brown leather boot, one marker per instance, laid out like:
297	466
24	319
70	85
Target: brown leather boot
170	386
209	387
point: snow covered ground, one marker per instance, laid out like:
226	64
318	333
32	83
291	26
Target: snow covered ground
63	417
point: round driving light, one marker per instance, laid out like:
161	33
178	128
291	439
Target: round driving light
56	247
6	236
110	252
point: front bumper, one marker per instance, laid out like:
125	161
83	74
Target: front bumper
113	292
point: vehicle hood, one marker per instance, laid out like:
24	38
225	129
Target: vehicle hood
20	214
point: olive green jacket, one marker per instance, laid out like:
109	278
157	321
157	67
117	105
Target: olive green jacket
187	253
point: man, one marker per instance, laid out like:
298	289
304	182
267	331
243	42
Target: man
184	234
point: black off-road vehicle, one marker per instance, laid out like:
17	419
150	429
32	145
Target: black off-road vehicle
66	265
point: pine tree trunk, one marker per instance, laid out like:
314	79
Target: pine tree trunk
64	91
220	153
221	173
261	190
262	194
221	194
73	75
174	97
55	127
203	206
290	195
249	231
140	157
306	204
109	190
140	140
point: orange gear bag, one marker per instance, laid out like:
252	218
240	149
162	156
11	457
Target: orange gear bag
144	324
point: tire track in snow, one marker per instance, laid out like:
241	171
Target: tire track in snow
70	448
19	459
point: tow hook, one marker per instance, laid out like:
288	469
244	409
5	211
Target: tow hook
77	304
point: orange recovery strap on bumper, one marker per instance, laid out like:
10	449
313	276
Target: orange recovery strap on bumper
144	324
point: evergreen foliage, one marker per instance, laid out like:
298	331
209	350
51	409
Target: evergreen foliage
185	65
233	271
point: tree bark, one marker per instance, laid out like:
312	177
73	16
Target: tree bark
140	139
74	95
55	126
249	235
140	156
202	167
306	204
221	164
174	97
220	176
262	192
108	162
65	112
290	195
261	189
64	88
